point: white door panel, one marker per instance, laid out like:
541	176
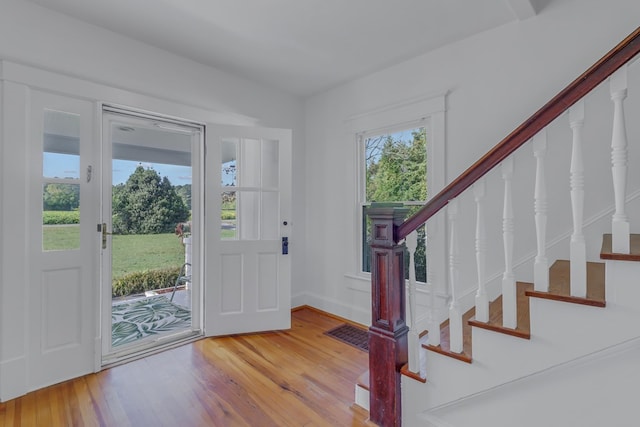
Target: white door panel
62	291
248	279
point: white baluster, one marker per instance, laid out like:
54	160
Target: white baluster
434	322
411	242
619	223
541	264
509	318
455	316
482	301
578	251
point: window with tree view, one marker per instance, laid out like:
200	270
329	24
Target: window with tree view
395	170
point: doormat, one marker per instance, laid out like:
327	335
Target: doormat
352	335
131	321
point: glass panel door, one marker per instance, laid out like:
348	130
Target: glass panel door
249	212
149	233
62	255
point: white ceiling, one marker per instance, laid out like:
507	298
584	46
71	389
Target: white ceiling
301	46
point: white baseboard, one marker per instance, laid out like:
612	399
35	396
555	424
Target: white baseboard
339	308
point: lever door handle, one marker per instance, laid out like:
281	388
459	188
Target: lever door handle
285	245
105	233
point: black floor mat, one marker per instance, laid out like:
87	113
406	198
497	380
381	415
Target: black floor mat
351	335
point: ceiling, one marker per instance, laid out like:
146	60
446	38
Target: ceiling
300	46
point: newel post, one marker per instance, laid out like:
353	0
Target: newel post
388	349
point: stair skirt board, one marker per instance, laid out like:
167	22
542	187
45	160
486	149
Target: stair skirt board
594	372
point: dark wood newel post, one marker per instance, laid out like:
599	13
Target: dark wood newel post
388	330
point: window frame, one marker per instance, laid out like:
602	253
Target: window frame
427	112
364	203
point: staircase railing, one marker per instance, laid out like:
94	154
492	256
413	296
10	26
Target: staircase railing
389	337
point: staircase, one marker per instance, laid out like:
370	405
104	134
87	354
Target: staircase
528	316
554	330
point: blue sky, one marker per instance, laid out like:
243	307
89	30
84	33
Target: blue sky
178	175
67	166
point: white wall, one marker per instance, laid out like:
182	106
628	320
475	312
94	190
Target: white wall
496	80
38	37
33	35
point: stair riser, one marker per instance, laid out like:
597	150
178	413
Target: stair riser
626	292
560	332
362	397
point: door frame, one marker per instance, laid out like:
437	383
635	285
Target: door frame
106	354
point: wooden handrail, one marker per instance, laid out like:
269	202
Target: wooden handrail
584	84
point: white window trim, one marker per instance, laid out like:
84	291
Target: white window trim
425	111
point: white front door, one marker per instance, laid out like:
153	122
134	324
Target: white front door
248	224
63	302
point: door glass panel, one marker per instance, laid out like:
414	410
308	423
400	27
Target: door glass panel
61	145
61	188
229	155
249	169
270	167
269	220
228	216
248	210
61	217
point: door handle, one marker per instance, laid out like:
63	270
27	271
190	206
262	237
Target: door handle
285	245
105	233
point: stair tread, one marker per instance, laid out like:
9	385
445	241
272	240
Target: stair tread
363	380
607	252
523	328
416	376
559	289
559	284
445	343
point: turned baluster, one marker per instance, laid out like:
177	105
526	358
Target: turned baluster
619	223
455	315
578	251
434	322
509	318
411	242
541	264
482	300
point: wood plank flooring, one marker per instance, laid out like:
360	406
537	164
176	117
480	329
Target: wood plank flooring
298	377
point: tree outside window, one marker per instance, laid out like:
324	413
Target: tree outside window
395	171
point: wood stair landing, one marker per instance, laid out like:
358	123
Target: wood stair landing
634	245
523	329
559	285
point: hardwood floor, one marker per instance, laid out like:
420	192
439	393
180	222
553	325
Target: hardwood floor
298	377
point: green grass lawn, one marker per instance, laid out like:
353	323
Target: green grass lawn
138	252
130	253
